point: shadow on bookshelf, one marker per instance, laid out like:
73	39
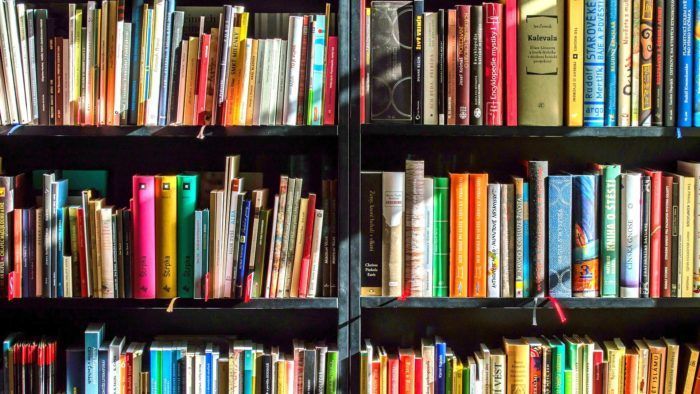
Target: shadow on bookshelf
179	304
525	303
169	131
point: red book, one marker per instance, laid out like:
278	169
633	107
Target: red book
407	360
493	63
598	380
58	78
17	255
666	234
655	221
393	378
305	271
696	386
451	66
376	378
511	62
303	72
418	376
330	82
203	59
463	53
129	373
82	252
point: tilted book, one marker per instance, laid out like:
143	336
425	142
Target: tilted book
560	225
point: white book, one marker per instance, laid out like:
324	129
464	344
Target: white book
686	238
428	356
315	254
265	87
31	48
281	82
125	73
270	246
260	68
271	93
493	264
429	233
630	234
291	103
624	64
105	215
156	61
24	51
89	62
4	114
689	168
118	66
430	48
16	57
245	83
73	57
393	233
7	67
66	78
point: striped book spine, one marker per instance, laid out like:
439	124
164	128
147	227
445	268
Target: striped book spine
586	266
624	71
441	234
594	63
611	37
634	103
559	190
695	76
685	63
415	228
646	52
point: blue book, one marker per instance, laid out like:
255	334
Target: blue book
136	27
147	62
59	195
585	267
526	241
103	369
243	249
685	62
440	366
209	369
559	224
94	335
166	369
75	370
611	37
59	252
315	112
155	367
165	75
248	371
594	63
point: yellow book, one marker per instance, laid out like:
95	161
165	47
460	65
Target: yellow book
574	92
166	236
240	70
191	81
692	355
457	382
687	235
77	50
96	242
383	371
299	247
250	103
498	370
111	61
672	356
147	14
282	377
518	366
363	372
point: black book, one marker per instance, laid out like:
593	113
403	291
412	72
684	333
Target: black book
674	238
476	68
126	248
333	241
175	62
51	67
42	63
310	371
325	240
646	234
442	52
371	219
266	387
102	368
392	62
418	67
33	65
30	226
671	46
657	85
182	375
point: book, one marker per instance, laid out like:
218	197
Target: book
476	66
372	198
187	188
646	71
493	63
460	241
144	236
459	64
392	233
494	262
537	173
594	63
441	240
507	240
418	72
414	227
684	102
658	59
630	216
560	192
610	230
430	79
477	235
611	62
624	72
586	266
670	60
575	51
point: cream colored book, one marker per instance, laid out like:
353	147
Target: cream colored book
252	76
414	230
431	54
190	81
244	74
145	29
672	355
89	62
156	61
693	354
643	364
692	169
624	64
299	247
498	372
392	233
7	67
67	277
184	55
24	51
107	252
315	254
16	57
118	67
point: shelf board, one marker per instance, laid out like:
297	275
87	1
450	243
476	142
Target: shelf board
409	130
542	303
180	304
170	131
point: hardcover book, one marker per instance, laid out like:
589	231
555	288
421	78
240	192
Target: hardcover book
414	228
560	227
611	61
594	63
477	233
646	52
585	268
575	16
493	262
685	81
459	212
187	186
624	82
371	280
630	224
476	68
493	64
392	233
441	237
537	174
610	230
144	237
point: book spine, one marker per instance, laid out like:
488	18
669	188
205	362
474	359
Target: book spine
418	66
463	50
686	237
684	103
695	73
244	241
670	65
330	82
537	173
594	63
610	230
167	64
636	83
459	272
645	237
200	113
392	233
144	237
666	235
527	281
560	225
20	79
441	241
630	224
585	269
441	67
292	75
153	98
511	62
43	64
186	204
493	263
303	70
477	234
655	234
624	82
476	69
493	67
136	33
414	228
316	63
430	68
657	87
611	61
675	233
575	52
452	59
371	280
7	67
519	240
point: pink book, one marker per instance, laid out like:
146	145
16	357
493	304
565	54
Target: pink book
493	64
305	273
201	108
330	82
144	217
511	63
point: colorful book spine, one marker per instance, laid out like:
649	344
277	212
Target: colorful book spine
476	68
646	52
186	204
585	268
414	228
136	33
636	40
459	266
575	52
519	250
594	63
537	174
559	195
695	76
392	233
371	274
477	234
144	237
655	233
527	281
657	91
624	72
670	63
494	268
94	335
610	230
611	63
330	83
459	101
684	103
418	66
166	235
317	65
441	240
630	225
493	64
511	61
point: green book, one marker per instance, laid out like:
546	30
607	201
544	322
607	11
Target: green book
441	237
465	380
610	231
331	372
558	361
573	354
186	205
449	366
568	381
155	366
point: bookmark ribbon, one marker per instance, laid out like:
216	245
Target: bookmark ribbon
171	305
558	309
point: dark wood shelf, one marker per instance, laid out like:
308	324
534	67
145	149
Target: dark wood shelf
410	130
169	131
524	303
180	304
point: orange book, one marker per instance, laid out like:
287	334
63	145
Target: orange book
376	377
393	378
459	235
17	229
477	234
631	371
111	59
407	374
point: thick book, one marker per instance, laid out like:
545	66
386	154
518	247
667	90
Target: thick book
609	229
459	235
431	48
594	63
630	236
658	58
560	189
476	66
441	239
371	271
414	226
459	85
624	72
508	240
392	233
692	169
540	63
636	84
494	266
684	76
418	67
477	234
166	235
144	268
585	267
518	368
537	172
575	53
493	64
187	188
391	40
670	63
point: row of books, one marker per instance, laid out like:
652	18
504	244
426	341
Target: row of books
161	65
547	365
163	246
587	63
169	364
603	233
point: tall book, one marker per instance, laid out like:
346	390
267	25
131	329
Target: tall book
609	230
684	103
658	58
143	212
630	225
430	77
392	233
166	235
414	225
518	369
646	52
493	64
94	335
494	264
594	63
586	267
441	240
537	173
519	236
624	72
636	85
459	66
574	94
559	189
611	61
655	232
478	234
511	62
670	63
371	280
187	188
418	66
452	47
429	204
507	240
459	272
540	76
476	67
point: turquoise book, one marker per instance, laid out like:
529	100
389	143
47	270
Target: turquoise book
94	335
318	45
154	370
610	230
594	63
248	371
559	191
558	360
586	267
166	369
186	205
